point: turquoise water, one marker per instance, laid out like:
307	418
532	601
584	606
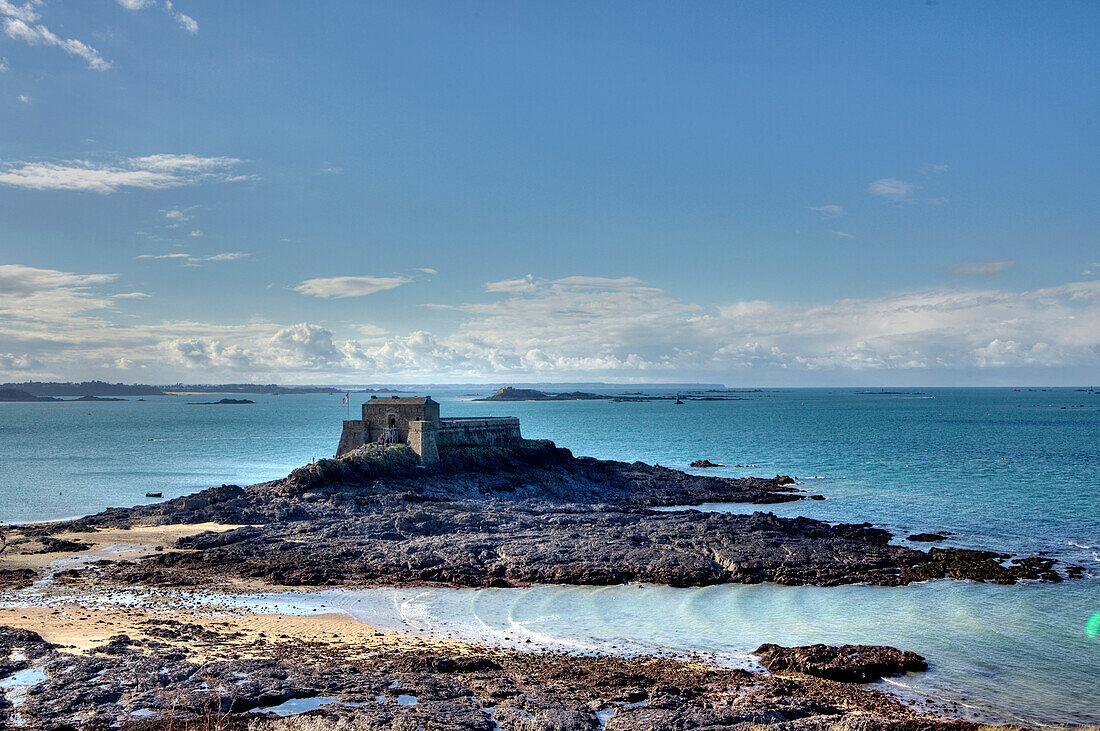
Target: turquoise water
1002	469
1001	653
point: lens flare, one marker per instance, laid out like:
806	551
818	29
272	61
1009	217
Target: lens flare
1092	626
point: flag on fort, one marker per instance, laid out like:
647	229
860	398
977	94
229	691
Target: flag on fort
346	397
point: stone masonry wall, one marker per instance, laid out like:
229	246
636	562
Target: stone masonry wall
425	437
353	436
490	432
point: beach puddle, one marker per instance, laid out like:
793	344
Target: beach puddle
294	706
15	688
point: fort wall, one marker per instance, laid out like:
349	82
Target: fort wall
423	439
353	436
487	432
416	422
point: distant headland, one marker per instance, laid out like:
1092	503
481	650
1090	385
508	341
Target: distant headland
14	395
507	393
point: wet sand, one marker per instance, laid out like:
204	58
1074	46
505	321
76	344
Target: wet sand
104	543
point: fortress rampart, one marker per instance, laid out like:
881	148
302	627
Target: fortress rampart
416	422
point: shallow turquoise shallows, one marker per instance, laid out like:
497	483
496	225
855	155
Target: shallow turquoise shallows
1017	471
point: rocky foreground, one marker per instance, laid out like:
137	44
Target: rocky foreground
159	681
532	513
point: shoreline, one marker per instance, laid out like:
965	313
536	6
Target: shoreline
223	628
177	631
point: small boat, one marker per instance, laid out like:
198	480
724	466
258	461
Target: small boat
677	401
153	494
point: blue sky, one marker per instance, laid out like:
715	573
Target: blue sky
753	193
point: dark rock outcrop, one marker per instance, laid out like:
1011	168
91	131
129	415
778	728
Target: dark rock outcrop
152	684
705	463
845	664
928	537
49	544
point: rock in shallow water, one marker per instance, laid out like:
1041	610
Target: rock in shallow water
846	663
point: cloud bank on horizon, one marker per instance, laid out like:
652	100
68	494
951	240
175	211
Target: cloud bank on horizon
208	192
64	325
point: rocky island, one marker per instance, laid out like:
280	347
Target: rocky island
516	515
507	393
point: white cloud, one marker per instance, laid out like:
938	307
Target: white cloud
152	172
348	286
131	296
47	297
176	217
304	345
370	331
169	163
11	362
195	234
20	22
985	268
27	281
828	211
842	234
192	260
185	21
524	284
933	169
893	189
25	12
4	64
24	99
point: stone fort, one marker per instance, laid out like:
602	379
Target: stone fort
416	422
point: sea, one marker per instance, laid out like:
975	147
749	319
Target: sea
1011	470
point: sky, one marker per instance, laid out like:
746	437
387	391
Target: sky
783	193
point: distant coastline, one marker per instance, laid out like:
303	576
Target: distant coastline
12	395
